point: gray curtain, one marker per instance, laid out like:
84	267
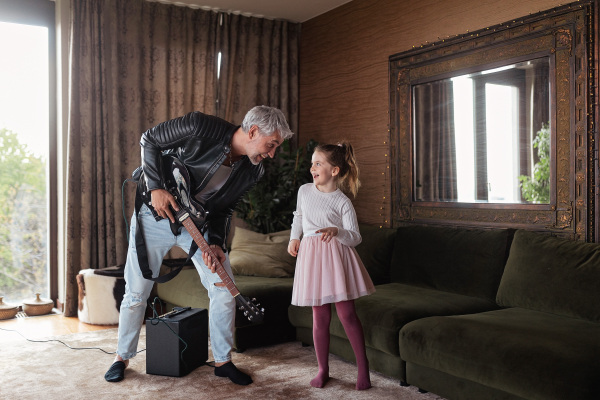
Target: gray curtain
541	109
435	149
259	66
135	64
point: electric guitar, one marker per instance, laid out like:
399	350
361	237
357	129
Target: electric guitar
177	182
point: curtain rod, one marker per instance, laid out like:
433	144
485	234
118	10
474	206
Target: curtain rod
215	9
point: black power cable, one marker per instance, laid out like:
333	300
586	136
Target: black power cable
60	341
155	320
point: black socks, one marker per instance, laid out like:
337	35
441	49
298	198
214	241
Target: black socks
230	371
116	372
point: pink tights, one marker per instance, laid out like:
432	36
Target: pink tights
352	326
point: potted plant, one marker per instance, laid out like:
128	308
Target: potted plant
269	206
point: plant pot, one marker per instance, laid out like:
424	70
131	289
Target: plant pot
38	306
7	310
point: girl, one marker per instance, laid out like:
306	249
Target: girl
328	269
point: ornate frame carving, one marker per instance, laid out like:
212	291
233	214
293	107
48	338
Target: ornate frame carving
566	35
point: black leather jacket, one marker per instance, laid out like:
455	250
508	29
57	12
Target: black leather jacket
202	143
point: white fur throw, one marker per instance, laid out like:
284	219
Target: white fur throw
100	295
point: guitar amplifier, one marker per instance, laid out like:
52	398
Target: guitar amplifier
177	342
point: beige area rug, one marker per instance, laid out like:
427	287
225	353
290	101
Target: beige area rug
48	371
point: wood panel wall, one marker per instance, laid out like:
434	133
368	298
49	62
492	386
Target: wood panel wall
344	74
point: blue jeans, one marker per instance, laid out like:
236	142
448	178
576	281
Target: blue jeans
159	240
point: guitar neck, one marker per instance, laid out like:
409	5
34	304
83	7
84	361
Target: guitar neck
203	245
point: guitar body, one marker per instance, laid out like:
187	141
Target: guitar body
192	215
178	184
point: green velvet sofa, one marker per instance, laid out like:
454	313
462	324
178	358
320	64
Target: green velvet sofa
544	343
418	272
478	314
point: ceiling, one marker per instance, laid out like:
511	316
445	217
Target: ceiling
291	10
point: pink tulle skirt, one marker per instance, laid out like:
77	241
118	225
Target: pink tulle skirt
328	273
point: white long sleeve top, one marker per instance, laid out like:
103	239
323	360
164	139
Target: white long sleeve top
316	210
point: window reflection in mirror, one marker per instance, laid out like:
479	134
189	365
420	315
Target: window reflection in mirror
483	137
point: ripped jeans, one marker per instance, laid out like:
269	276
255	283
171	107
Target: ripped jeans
159	240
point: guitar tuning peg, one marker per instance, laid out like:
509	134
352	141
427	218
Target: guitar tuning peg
254	299
262	310
246	313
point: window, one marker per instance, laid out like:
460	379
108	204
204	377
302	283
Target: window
27	157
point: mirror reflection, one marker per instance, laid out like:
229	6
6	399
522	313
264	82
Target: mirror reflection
484	137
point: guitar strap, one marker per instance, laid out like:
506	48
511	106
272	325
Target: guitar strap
142	253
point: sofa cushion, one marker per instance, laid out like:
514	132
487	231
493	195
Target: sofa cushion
258	254
393	305
526	353
274	295
463	261
375	251
554	275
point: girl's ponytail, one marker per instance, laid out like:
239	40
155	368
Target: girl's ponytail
350	180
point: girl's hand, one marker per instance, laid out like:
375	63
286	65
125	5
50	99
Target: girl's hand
293	247
328	233
208	259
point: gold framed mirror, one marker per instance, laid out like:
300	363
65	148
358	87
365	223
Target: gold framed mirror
495	128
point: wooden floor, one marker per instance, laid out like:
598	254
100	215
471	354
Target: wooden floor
42	326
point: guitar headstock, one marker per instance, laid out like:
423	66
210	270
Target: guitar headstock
251	309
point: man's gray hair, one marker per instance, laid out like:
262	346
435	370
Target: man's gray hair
268	120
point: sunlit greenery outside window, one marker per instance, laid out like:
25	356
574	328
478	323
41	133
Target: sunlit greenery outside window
24	170
23	221
536	188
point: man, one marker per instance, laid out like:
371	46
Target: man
224	162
